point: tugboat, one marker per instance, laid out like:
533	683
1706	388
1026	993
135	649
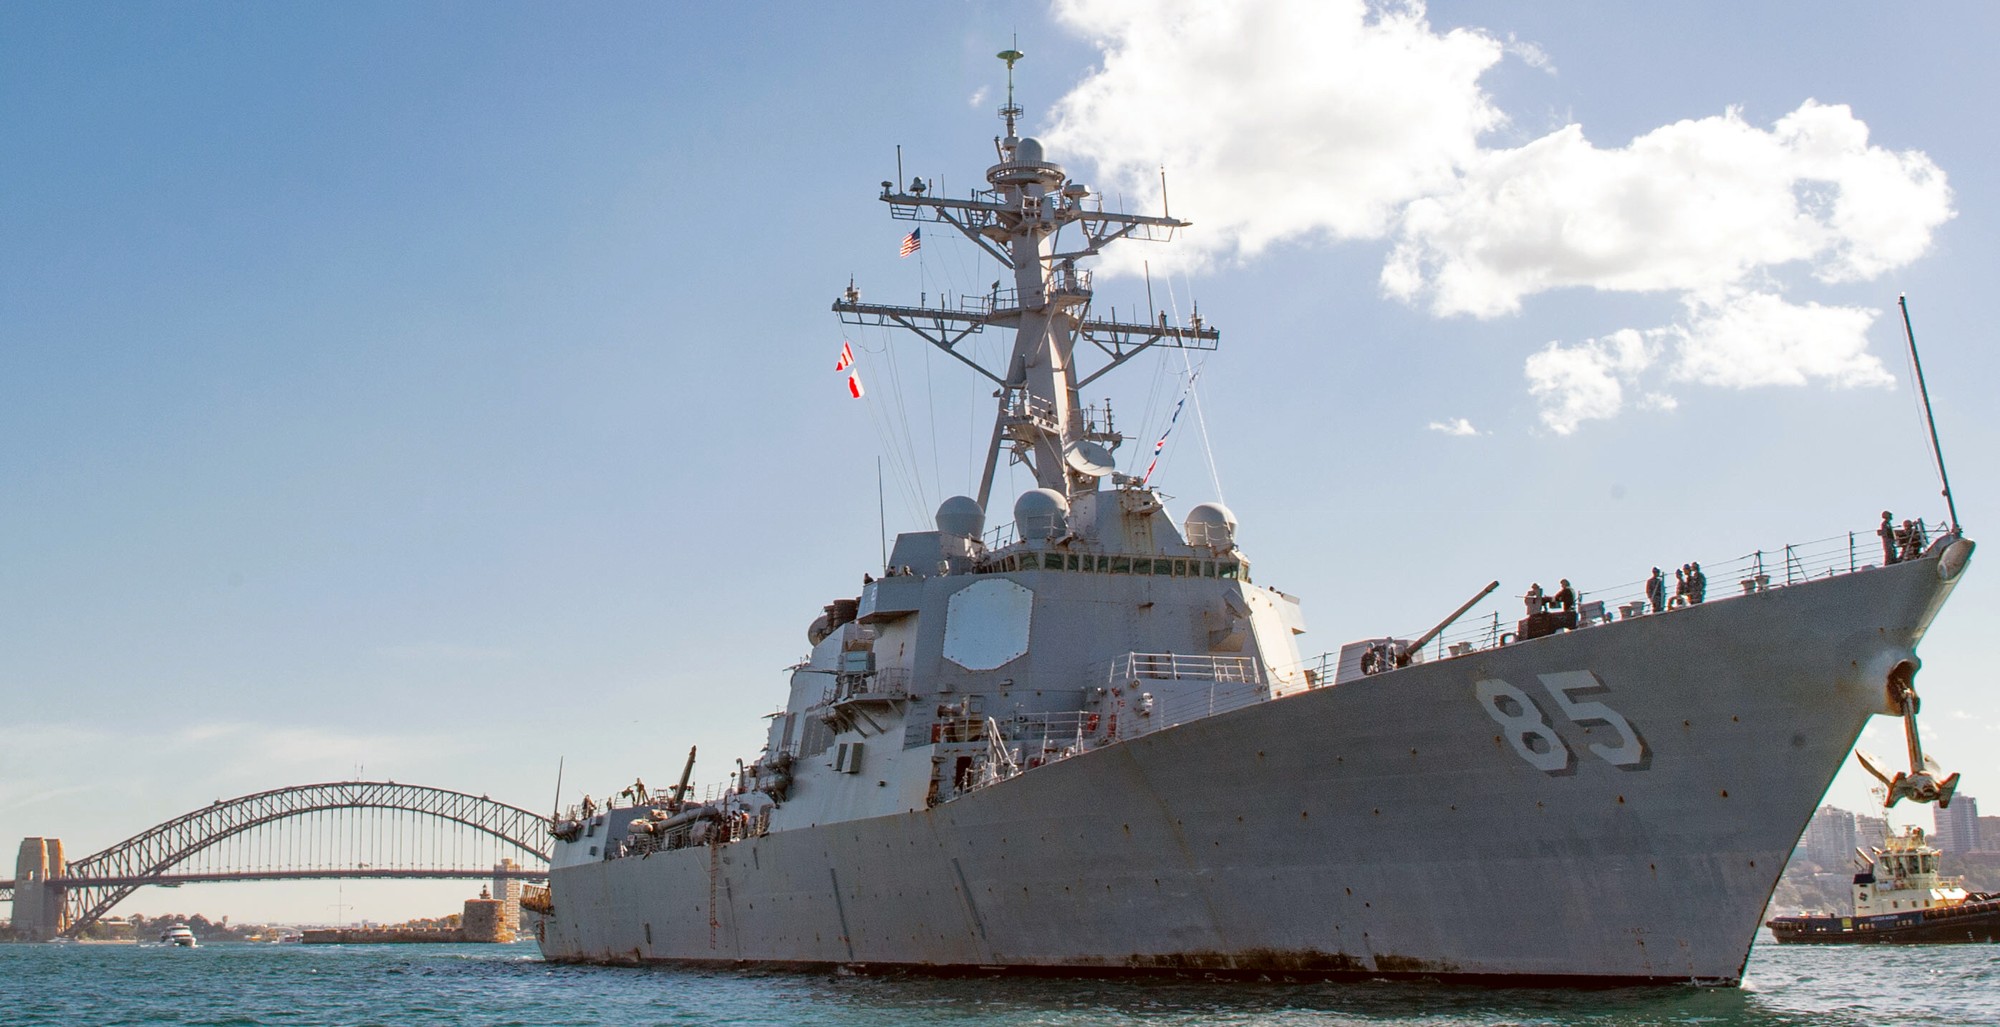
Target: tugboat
1899	899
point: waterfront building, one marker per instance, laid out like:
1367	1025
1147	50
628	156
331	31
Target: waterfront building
1830	838
1958	826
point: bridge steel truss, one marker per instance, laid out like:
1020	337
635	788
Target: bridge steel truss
101	880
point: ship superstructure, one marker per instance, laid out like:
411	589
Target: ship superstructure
1087	742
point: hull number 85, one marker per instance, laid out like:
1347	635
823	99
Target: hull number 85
1525	722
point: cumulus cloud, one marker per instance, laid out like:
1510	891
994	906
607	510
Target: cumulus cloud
1457	426
1588	381
1695	206
1761	339
1343	120
1735	341
1314	118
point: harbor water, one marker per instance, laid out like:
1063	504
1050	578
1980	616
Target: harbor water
231	985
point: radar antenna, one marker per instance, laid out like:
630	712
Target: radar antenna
1010	112
1019	221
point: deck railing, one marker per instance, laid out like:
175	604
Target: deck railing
1757	571
1143	667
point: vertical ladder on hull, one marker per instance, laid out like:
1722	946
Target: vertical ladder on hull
714	876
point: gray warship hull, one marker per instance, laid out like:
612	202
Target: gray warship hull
1610	805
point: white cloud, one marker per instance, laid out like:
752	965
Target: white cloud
978	98
1692	207
1345	120
1761	339
1587	381
1305	118
1736	341
1457	426
1530	54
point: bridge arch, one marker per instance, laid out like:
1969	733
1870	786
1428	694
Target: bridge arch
154	853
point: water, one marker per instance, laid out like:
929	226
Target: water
492	986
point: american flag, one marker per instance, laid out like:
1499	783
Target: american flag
912	242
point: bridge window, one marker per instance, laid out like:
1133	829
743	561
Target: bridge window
1163	568
1180	568
1121	565
1226	570
1072	561
1053	561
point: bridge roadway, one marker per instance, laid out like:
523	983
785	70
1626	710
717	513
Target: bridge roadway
341	830
331	874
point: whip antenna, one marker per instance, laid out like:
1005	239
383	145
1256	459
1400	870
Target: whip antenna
1930	421
555	813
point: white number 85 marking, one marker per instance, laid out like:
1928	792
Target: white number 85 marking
1527	725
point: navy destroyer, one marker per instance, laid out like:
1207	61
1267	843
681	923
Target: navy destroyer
1087	742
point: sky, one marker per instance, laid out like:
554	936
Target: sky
434	392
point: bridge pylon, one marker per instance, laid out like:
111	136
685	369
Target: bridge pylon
41	909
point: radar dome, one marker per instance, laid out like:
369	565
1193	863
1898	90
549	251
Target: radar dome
1041	513
1211	524
961	516
1029	150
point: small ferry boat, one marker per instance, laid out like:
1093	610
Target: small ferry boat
1900	899
179	936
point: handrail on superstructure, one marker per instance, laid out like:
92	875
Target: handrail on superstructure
1141	667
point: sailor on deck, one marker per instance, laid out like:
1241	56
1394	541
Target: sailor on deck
1565	604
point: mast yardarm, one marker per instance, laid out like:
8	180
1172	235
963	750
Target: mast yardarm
1019	221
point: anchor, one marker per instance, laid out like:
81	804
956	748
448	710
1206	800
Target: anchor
1922	782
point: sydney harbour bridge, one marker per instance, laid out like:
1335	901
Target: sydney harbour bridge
337	830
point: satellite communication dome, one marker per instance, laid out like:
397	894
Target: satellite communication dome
1211	524
961	516
1041	513
1029	151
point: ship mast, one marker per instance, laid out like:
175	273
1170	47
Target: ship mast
1019	222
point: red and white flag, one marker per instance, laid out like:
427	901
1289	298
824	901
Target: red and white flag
854	384
846	356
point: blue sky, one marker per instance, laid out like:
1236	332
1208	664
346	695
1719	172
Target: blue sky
446	389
